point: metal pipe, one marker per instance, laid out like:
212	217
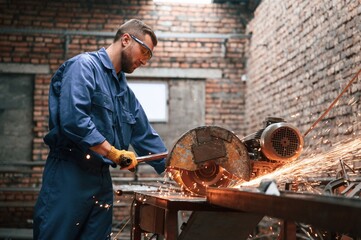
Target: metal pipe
332	104
159	34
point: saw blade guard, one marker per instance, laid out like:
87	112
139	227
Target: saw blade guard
208	156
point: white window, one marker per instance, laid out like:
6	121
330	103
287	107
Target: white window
184	1
154	98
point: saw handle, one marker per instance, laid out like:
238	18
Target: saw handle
152	157
125	161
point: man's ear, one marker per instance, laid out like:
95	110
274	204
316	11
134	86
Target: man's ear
125	39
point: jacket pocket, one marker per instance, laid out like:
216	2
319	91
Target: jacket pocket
103	114
103	100
127	122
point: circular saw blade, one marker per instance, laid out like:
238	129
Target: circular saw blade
208	156
197	181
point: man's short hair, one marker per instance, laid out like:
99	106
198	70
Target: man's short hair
136	28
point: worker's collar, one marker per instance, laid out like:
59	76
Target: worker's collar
103	55
104	58
122	83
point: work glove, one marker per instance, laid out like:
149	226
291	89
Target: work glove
125	159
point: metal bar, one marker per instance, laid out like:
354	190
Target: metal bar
152	157
288	230
136	232
55	32
339	214
160	35
171	224
173	201
333	103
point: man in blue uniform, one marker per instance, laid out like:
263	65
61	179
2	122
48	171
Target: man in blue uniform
94	118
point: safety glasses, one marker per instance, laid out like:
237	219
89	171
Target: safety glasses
148	53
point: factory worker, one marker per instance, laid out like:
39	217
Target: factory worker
94	118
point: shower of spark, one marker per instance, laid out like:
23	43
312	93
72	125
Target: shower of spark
307	167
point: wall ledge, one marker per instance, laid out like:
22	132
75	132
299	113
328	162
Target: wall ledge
190	73
26	68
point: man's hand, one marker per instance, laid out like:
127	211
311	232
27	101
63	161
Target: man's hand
125	159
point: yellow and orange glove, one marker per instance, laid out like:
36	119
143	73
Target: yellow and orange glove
125	159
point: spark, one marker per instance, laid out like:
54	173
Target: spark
352	101
295	115
106	206
312	165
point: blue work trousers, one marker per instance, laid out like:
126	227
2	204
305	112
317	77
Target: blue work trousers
76	199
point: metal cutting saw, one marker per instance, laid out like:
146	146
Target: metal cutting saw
212	156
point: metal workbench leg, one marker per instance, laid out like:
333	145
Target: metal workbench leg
288	231
136	230
171	225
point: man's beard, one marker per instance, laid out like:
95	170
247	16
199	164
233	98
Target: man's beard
127	65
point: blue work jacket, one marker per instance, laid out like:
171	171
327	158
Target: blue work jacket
89	103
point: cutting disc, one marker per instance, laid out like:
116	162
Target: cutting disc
208	156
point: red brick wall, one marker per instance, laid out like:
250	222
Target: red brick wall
52	31
225	96
302	54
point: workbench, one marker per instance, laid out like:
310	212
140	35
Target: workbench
329	212
159	208
234	214
157	212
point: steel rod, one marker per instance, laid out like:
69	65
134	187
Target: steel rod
332	104
152	157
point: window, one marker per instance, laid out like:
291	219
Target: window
184	1
154	97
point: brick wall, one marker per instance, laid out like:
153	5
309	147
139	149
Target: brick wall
51	37
299	58
302	54
49	32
